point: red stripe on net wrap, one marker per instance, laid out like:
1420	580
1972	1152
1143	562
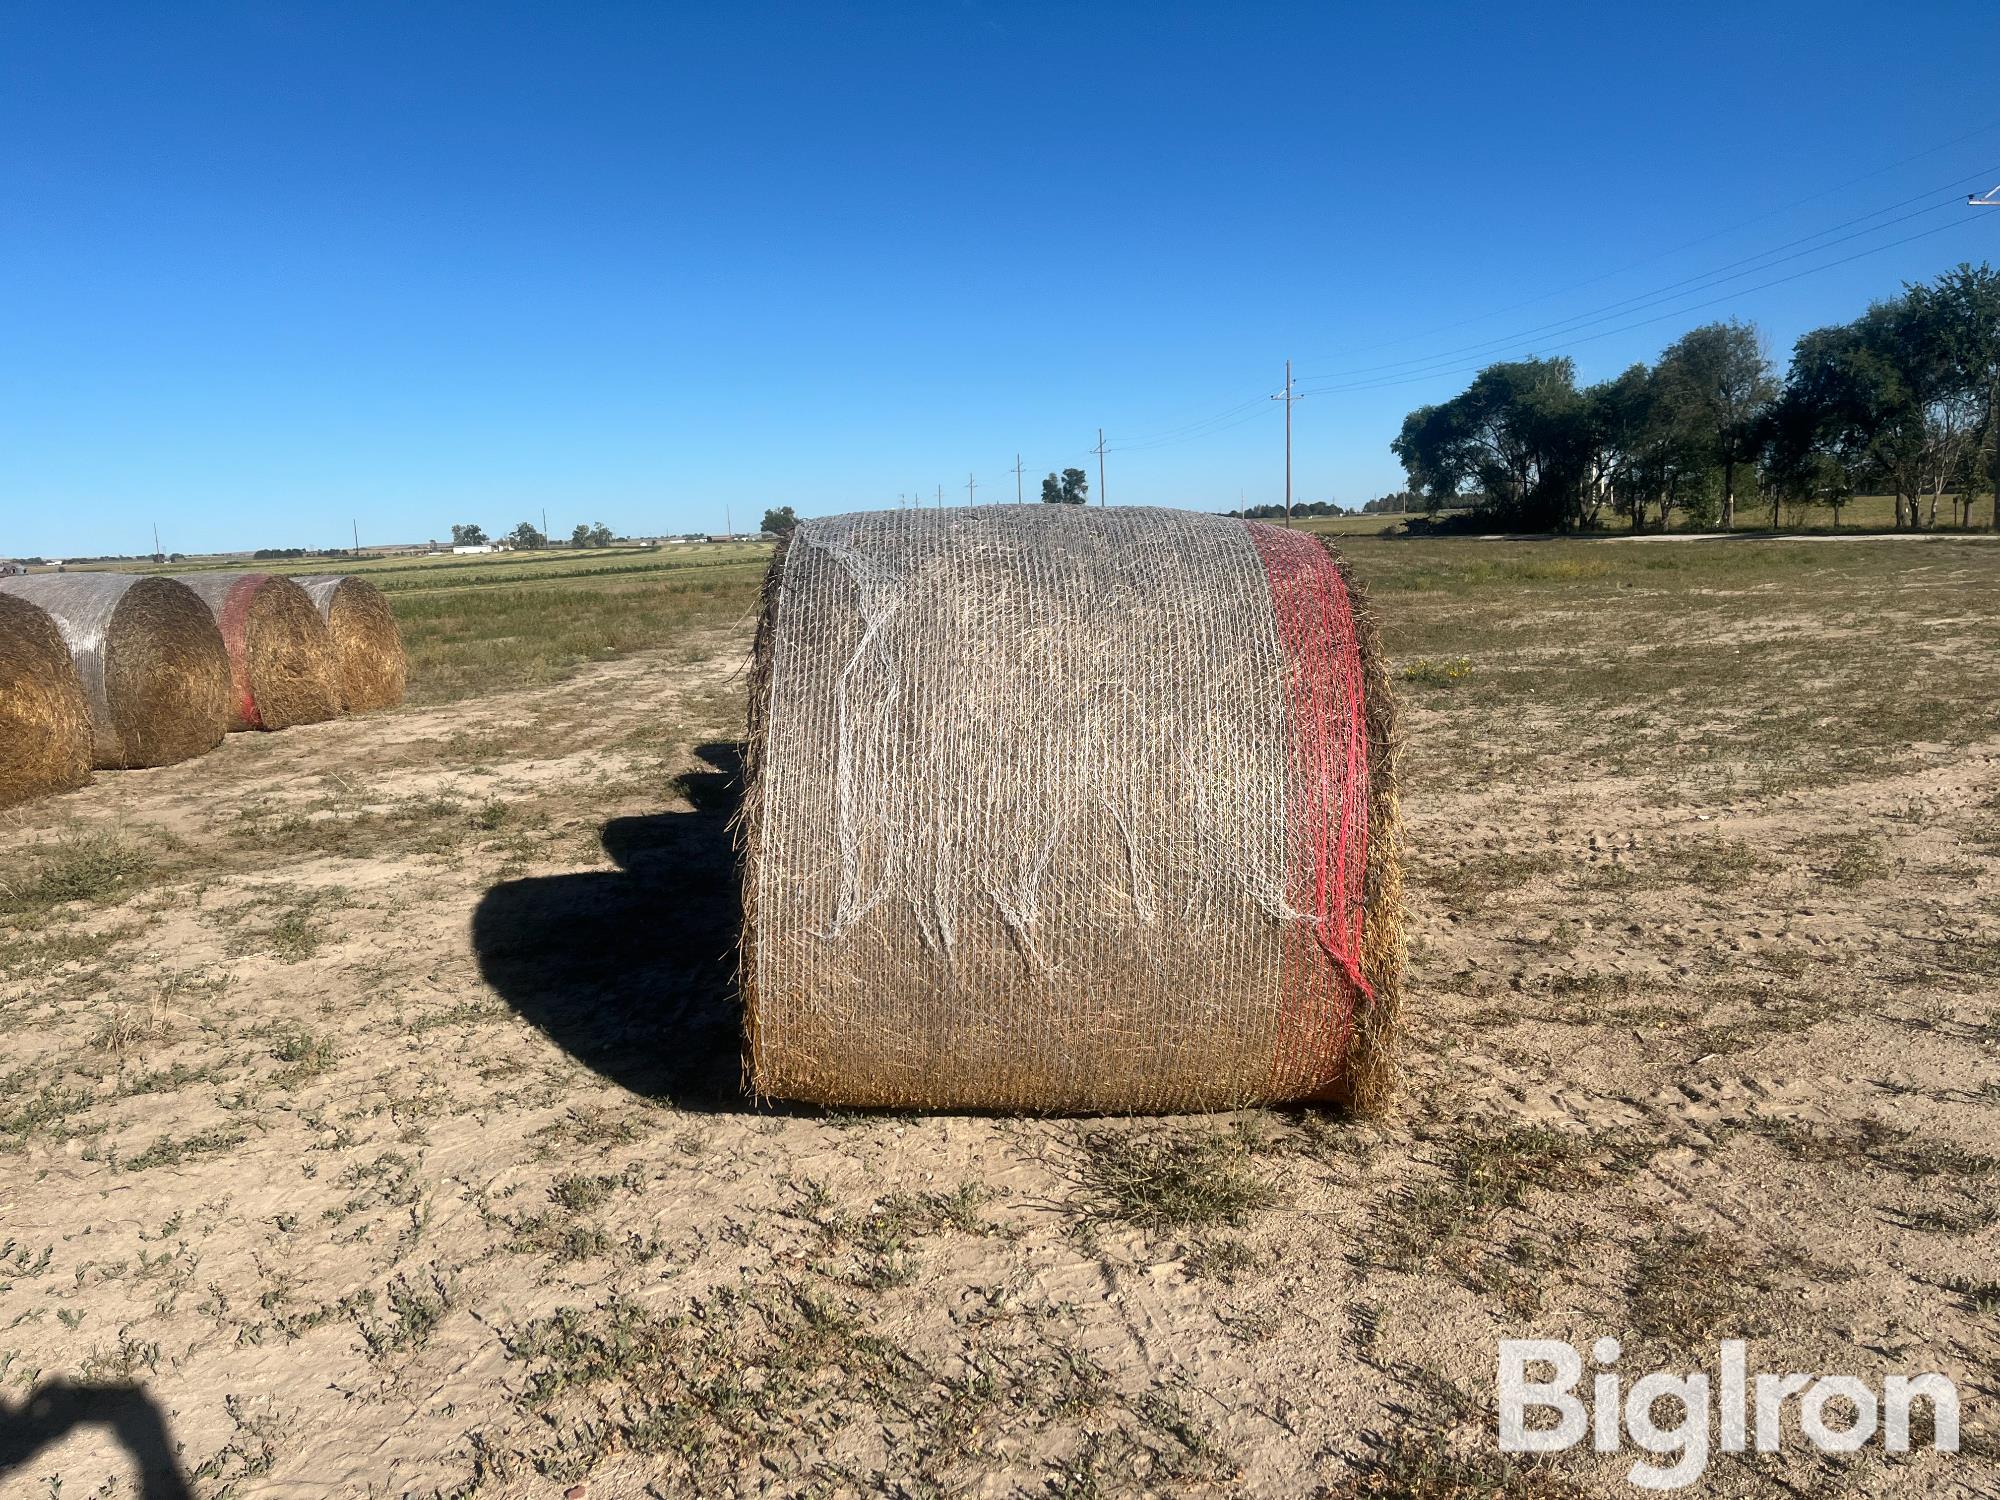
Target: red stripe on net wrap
233	618
1326	809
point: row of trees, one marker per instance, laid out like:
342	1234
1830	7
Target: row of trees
278	554
1392	505
1277	512
1071	487
526	538
1905	400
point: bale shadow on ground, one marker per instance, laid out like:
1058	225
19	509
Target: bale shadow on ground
50	1413
633	973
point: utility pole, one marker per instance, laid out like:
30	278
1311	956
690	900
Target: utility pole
357	535
940	497
1099	451
1017	479
969	487
1288	398
545	526
728	524
156	539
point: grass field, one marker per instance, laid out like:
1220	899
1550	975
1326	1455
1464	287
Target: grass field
491	634
1866	513
1862	515
371	1105
445	570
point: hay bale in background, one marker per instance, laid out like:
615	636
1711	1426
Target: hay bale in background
1056	808
281	668
155	675
367	646
44	724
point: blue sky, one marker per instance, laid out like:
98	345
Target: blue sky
270	268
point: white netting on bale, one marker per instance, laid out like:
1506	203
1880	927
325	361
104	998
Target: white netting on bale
281	665
367	647
154	672
1033	817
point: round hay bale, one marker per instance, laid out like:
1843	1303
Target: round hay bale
281	668
1068	809
154	673
44	724
367	646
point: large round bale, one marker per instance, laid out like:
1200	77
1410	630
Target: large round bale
367	646
154	673
1066	809
44	725
281	669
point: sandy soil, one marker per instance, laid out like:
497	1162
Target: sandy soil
383	1137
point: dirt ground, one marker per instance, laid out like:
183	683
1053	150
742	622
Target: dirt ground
370	1124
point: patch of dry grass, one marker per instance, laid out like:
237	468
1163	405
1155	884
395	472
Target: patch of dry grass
1411	1463
1486	1175
468	642
97	868
1184	1179
1690	1289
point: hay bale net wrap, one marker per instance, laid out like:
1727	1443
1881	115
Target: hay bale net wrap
44	724
367	647
150	659
1056	808
281	669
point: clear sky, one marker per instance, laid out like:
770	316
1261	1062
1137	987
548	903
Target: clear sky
270	268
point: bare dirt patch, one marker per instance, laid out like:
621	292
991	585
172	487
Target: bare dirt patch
371	1106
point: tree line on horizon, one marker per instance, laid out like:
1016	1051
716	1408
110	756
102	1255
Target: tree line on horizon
528	538
1904	400
1275	512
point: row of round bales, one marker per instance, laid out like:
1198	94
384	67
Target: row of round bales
115	671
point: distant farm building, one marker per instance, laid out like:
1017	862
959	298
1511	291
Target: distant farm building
477	549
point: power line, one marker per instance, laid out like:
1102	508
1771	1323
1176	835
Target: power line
1686	245
1438	364
1443	365
1251	410
1237	415
1715	277
1143	438
1369	385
